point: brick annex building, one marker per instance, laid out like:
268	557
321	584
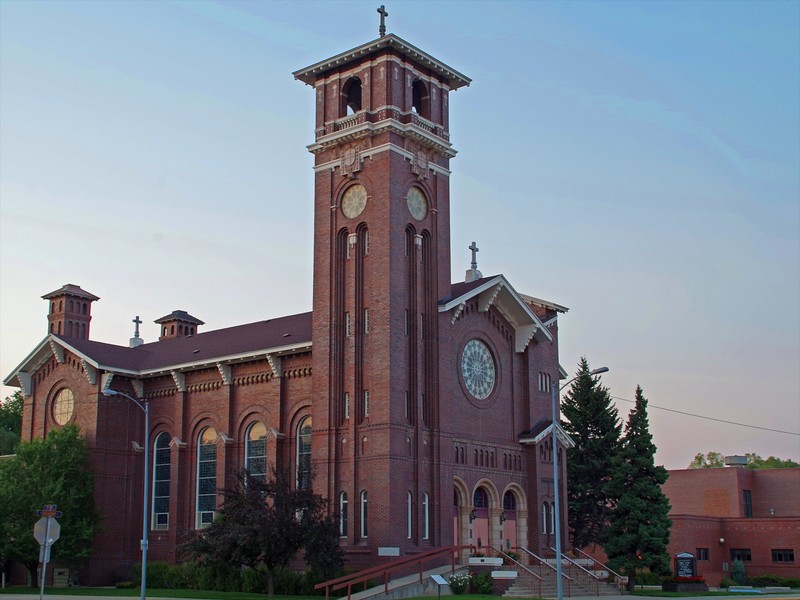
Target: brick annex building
723	514
415	402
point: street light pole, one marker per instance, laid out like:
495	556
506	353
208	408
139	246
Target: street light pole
144	406
554	389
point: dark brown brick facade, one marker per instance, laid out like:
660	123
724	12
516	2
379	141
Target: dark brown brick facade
387	325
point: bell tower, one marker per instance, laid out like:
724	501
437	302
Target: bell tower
381	262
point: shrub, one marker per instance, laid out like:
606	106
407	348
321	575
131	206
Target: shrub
459	583
727	582
481	583
775	580
738	573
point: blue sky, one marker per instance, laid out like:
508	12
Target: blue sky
638	162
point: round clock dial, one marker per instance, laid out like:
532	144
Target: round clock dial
63	406
417	204
354	201
477	369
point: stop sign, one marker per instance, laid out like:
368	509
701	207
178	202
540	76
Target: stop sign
40	531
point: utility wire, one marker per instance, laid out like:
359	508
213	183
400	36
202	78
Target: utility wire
680	412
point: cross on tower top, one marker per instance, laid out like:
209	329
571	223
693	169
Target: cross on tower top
384	14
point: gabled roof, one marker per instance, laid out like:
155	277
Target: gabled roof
273	337
544	429
496	291
453	78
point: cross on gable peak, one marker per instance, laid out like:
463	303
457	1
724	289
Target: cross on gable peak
474	248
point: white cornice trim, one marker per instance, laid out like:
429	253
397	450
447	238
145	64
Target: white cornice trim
562	436
388	147
455	79
361	130
499	293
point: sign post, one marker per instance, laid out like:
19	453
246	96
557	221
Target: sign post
46	531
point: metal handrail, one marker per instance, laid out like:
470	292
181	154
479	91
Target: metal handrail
572	562
516	562
606	567
538	578
347	581
594	578
545	563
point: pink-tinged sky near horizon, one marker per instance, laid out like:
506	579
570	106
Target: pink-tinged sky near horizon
638	162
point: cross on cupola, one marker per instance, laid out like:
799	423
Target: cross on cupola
384	14
472	273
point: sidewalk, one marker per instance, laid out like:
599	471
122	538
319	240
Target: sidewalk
793	595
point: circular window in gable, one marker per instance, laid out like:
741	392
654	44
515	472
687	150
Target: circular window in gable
477	369
63	406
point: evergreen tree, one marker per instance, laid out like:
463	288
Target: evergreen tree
593	424
638	528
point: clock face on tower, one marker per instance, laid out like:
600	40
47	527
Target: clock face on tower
354	201
477	369
417	204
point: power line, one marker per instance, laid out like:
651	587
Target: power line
688	414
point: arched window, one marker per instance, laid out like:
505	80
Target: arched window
303	459
480	498
206	477
426	517
552	517
255	452
343	514
364	531
545	516
409	515
351	96
509	501
161	475
419	99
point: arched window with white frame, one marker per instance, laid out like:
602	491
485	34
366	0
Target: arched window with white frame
426	517
255	451
409	515
343	514
545	516
364	529
161	477
206	500
303	457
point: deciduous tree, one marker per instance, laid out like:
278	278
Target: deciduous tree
638	526
592	422
266	523
10	422
54	470
710	460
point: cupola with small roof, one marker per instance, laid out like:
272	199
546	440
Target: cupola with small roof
70	311
178	323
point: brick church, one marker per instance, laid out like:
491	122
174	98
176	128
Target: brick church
417	404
